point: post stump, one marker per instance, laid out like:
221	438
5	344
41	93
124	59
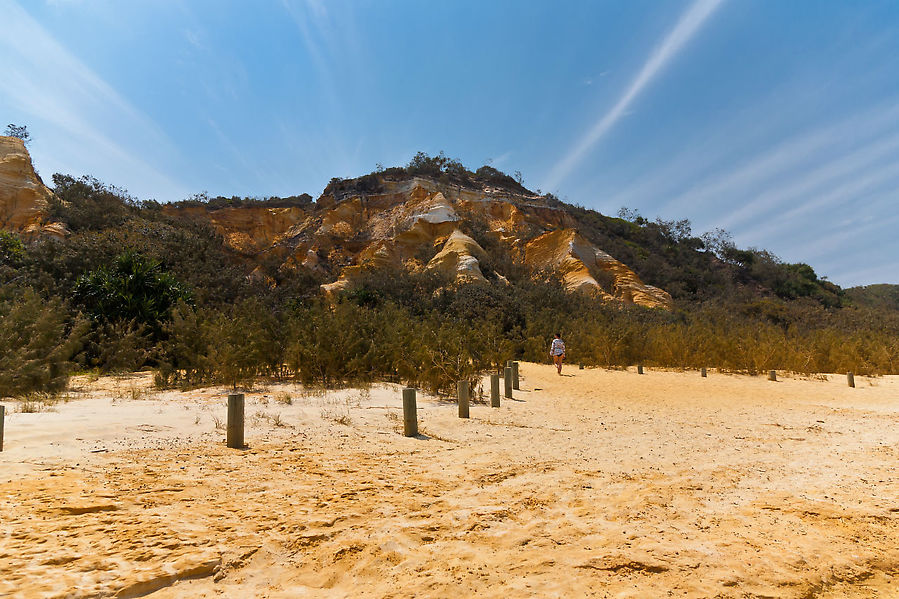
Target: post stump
850	378
462	392
515	376
772	375
494	390
508	381
234	437
410	413
703	373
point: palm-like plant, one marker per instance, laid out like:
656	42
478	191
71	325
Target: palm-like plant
132	288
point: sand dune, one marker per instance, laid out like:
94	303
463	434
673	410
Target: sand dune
597	484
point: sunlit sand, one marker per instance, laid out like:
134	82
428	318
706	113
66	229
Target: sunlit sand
598	483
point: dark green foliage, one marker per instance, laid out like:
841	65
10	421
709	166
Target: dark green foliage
19	131
219	202
12	250
88	204
132	288
37	343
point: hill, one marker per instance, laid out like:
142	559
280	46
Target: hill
423	274
880	297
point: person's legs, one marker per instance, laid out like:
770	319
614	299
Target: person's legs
558	362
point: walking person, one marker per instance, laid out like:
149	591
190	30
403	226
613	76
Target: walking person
557	352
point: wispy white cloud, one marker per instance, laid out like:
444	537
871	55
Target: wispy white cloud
784	159
689	23
86	125
852	190
815	181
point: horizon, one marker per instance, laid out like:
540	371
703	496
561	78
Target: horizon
777	122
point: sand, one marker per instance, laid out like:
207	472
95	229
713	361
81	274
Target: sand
595	484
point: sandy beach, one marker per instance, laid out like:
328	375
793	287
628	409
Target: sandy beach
594	484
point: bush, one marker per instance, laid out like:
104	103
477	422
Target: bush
133	288
37	342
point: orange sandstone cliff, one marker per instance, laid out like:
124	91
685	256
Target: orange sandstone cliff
24	199
420	224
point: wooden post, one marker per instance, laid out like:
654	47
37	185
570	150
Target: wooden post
410	413
515	376
703	373
580	366
462	392
234	437
2	419
772	375
639	368
850	378
508	381
494	390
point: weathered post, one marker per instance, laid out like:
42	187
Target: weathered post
515	376
850	378
462	392
639	368
703	373
2	419
234	436
580	366
772	375
508	381
494	390
410	413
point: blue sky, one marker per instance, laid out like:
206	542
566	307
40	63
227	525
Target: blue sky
778	121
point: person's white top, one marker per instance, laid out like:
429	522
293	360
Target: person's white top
557	348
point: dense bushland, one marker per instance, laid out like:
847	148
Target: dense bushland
133	288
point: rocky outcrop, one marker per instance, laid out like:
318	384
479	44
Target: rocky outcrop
459	259
420	224
24	199
584	267
246	229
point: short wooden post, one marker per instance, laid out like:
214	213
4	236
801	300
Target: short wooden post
462	392
703	373
580	366
850	378
494	390
639	368
515	376
234	437
410	413
508	381
772	375
2	419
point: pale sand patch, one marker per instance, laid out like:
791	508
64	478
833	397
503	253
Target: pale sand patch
601	483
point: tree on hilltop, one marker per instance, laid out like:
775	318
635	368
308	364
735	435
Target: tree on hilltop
19	132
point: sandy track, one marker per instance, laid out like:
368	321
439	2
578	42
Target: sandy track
602	484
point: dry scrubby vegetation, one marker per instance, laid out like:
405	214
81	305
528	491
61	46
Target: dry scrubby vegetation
132	288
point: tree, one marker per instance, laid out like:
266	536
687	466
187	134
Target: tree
132	288
19	132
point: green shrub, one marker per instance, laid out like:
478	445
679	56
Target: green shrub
37	342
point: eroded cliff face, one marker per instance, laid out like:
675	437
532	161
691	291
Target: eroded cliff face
24	199
419	224
246	229
584	267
